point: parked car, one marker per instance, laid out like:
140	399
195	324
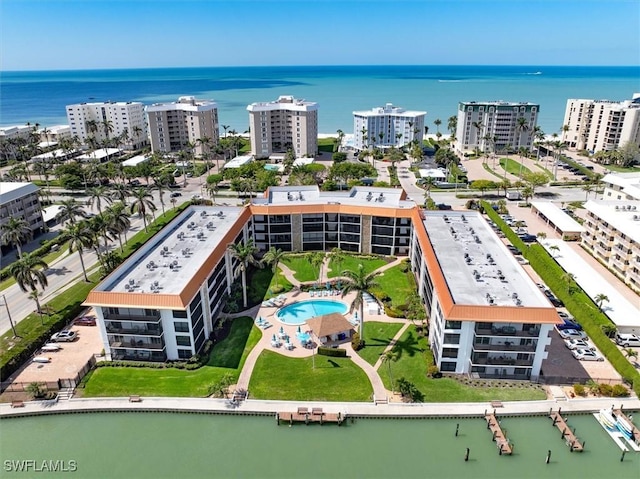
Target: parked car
626	340
571	334
527	238
586	355
174	185
514	251
175	194
134	182
577	344
552	299
50	348
64	336
85	321
569	324
41	359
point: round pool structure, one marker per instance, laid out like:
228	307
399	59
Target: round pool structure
300	311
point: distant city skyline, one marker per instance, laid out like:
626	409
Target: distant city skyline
75	34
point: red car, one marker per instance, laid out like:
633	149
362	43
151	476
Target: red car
86	321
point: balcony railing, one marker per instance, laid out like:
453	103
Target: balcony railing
129	317
529	348
134	331
158	356
507	331
497	361
136	344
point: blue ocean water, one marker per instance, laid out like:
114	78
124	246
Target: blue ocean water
41	96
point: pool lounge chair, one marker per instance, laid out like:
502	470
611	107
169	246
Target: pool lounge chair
265	325
276	344
268	304
288	345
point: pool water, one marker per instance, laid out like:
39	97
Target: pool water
299	312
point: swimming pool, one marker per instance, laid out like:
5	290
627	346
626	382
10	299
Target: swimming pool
298	313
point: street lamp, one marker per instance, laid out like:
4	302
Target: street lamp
13	327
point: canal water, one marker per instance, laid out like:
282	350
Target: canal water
173	445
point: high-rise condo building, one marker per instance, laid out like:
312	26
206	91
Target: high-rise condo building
495	126
20	200
174	126
601	125
387	126
284	124
109	120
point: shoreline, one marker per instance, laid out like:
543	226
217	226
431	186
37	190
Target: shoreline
257	407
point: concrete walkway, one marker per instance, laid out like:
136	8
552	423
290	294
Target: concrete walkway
379	391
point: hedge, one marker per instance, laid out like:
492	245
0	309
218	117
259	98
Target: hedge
66	307
575	299
334	352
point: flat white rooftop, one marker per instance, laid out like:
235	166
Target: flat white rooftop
618	308
168	262
624	216
358	195
10	190
238	161
432	173
100	154
478	267
559	218
136	160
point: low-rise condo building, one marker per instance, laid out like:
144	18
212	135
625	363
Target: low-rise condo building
612	236
52	135
487	315
621	186
387	126
601	125
282	125
121	122
495	126
20	200
184	124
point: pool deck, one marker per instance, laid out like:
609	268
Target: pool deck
351	410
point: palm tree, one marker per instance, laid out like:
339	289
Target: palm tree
80	237
160	185
600	299
587	188
360	282
452	125
29	272
316	259
16	231
389	357
69	211
96	195
120	192
273	258
630	353
429	181
555	249
541	235
245	254
437	122
337	256
142	201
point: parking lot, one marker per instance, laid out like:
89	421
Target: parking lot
65	363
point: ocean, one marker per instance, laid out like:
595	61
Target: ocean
41	96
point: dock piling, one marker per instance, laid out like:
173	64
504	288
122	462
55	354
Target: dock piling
457	428
548	457
466	455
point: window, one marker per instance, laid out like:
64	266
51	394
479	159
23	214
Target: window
179	313
181	326
451	338
453	325
183	340
184	353
447	366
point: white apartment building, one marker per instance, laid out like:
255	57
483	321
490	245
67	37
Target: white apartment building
284	124
108	120
621	186
53	134
387	126
173	126
20	200
601	125
15	131
495	125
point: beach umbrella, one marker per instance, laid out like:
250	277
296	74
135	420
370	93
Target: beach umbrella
299	330
274	337
282	329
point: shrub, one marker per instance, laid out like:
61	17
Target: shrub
619	390
579	389
334	352
433	371
356	342
409	390
393	312
605	390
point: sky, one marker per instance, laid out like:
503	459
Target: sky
92	34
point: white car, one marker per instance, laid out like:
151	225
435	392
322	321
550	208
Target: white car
64	336
571	334
578	344
50	348
586	355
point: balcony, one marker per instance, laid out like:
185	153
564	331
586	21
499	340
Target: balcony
497	330
141	330
135	344
154	318
502	361
507	346
125	355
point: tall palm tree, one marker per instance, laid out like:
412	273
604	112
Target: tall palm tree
273	258
96	195
160	185
600	299
16	231
452	125
80	237
437	122
137	131
118	221
29	272
245	254
337	256
360	282
142	201
120	192
316	259
389	357
69	211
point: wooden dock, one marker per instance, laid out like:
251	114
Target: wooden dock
304	415
499	436
636	431
567	434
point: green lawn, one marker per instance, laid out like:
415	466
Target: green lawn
413	356
262	282
513	166
399	286
333	379
326	144
227	357
302	267
622	169
377	337
351	263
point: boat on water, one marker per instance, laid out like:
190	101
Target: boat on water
624	427
605	417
